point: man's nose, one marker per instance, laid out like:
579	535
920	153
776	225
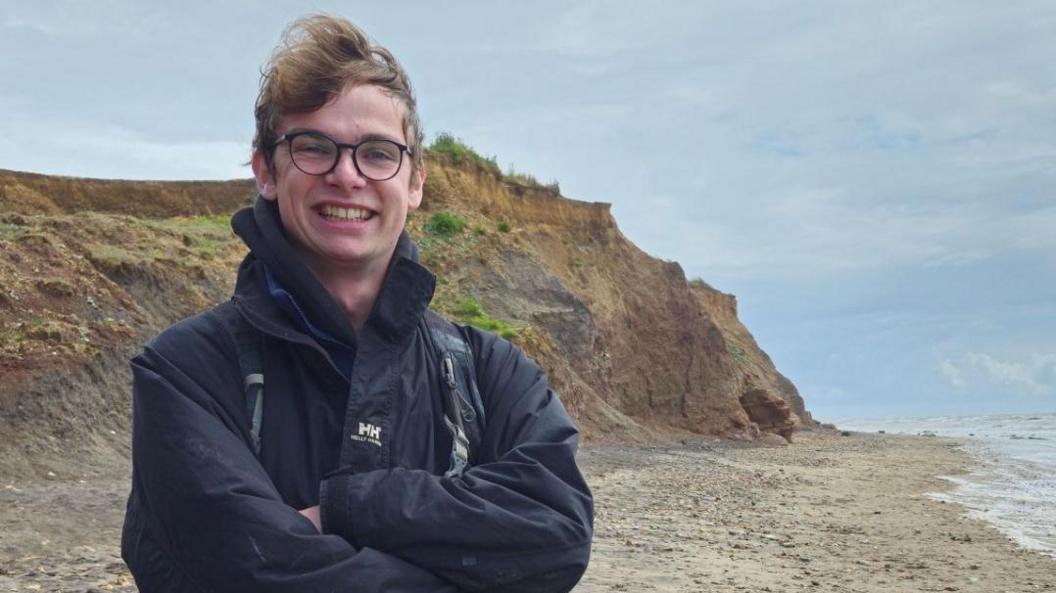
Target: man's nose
345	172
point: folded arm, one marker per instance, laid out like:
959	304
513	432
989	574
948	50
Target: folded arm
519	520
204	515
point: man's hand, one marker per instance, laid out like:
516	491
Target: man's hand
313	515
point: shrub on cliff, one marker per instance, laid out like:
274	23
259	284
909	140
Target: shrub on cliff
528	180
445	224
458	152
469	310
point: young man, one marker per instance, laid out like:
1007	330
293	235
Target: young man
353	486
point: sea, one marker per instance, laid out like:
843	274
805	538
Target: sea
1014	485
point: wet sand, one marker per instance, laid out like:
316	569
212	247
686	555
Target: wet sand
827	513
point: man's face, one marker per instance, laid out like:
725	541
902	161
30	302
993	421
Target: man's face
343	220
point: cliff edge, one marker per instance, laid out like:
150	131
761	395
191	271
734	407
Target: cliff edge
91	268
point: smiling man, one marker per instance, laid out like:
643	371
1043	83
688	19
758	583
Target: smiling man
323	430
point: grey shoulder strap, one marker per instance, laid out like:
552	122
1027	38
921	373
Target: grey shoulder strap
463	406
247	345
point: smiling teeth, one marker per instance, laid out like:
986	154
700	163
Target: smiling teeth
345	213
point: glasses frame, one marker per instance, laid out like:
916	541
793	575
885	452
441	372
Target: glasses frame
290	137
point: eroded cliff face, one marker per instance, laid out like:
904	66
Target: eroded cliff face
633	346
633	349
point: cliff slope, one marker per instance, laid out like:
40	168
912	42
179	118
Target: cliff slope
91	268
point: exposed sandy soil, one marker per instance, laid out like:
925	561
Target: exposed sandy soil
828	513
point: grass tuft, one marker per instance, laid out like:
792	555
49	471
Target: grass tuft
738	353
699	283
458	152
445	224
469	311
529	180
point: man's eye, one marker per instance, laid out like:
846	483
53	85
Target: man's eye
379	153
313	149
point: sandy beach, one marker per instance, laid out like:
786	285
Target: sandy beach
827	513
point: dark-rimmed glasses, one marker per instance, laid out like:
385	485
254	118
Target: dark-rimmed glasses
316	153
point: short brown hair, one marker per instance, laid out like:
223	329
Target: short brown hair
318	57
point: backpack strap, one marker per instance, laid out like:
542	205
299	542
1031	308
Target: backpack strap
463	406
247	345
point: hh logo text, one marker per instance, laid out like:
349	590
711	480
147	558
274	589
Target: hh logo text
368	433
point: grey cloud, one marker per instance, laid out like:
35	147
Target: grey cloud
1034	373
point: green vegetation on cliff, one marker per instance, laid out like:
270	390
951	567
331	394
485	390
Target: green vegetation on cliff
469	311
459	153
455	151
445	224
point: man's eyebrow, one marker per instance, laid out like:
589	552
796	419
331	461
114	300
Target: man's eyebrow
377	136
300	130
363	138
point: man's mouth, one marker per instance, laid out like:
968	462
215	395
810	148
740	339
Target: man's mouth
351	214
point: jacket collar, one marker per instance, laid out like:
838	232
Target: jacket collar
403	298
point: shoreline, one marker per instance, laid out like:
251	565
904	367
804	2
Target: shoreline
984	492
1013	481
826	513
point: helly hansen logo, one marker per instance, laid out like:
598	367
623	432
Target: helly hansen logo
369	430
368	433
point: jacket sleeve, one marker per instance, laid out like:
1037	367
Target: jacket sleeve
204	516
520	520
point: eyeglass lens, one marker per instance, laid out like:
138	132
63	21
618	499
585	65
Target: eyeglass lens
316	154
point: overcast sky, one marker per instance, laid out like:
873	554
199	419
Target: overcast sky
875	181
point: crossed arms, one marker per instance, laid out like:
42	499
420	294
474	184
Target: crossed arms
205	516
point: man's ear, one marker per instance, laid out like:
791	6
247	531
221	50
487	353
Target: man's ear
417	188
265	176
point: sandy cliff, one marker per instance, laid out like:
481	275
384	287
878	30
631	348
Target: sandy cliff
91	268
628	340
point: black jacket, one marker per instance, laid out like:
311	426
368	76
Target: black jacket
206	514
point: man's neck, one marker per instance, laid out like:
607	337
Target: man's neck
354	288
